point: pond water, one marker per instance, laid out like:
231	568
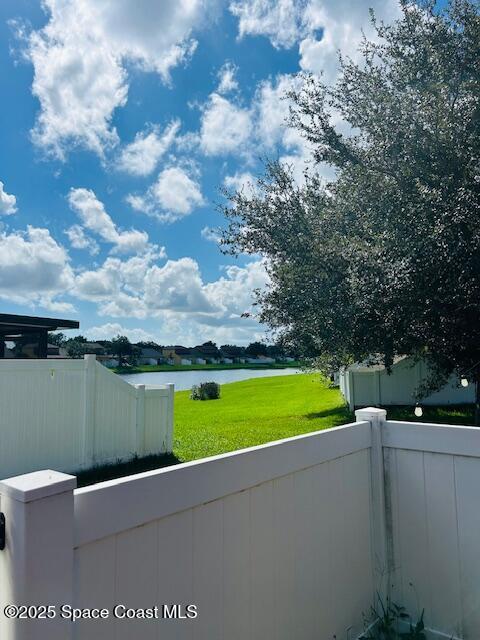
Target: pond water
186	379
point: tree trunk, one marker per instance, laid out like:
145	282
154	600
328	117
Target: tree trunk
477	398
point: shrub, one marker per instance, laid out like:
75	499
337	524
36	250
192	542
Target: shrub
394	623
205	391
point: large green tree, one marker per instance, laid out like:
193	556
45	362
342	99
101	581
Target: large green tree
76	347
384	259
121	347
256	349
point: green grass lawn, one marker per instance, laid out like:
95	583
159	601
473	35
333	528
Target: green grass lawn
148	368
255	411
261	410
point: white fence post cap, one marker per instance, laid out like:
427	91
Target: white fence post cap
37	485
370	413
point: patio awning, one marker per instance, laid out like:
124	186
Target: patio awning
14	326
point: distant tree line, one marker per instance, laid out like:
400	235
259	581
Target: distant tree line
124	350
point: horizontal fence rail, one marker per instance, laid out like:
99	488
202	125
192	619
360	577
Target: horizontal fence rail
73	414
436	438
110	507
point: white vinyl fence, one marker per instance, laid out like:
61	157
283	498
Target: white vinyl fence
433	519
73	414
290	540
362	386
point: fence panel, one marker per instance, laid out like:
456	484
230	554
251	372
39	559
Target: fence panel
72	414
433	476
271	542
41	415
159	418
115	417
369	386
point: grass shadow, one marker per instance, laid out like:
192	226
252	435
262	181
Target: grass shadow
341	413
121	469
461	414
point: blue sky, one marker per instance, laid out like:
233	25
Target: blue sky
119	122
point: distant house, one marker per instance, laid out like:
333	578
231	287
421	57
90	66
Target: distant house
108	361
54	351
177	355
227	360
149	355
233	353
260	360
208	352
363	385
95	348
28	350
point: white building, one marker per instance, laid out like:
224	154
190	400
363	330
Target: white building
150	356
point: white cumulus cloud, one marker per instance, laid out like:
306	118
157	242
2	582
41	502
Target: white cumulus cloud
94	217
225	127
174	195
109	330
210	234
319	27
80	58
233	293
8	202
341	24
227	81
280	20
244	182
140	157
176	295
34	268
79	239
177	286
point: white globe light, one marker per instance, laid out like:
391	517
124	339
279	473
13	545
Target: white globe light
464	382
418	412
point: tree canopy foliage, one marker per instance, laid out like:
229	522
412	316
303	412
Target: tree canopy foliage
256	349
384	259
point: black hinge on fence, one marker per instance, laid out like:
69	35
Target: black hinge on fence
2	531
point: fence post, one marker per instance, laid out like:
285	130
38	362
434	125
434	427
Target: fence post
170	407
36	566
140	419
377	418
351	390
377	392
89	410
